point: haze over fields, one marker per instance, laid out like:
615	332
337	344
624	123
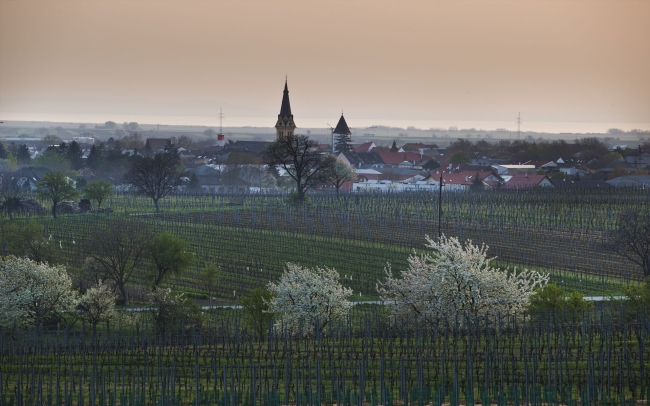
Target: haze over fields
576	66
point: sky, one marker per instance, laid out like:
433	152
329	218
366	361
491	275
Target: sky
465	60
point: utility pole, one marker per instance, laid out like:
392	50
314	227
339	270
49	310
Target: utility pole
519	126
440	209
221	117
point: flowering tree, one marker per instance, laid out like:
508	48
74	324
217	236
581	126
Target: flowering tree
456	282
339	172
31	291
314	297
97	304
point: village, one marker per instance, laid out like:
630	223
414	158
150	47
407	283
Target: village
242	166
239	167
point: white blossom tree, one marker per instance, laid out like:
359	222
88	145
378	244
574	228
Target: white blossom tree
339	172
456	283
97	304
32	291
313	298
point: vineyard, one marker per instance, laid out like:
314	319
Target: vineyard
565	233
598	358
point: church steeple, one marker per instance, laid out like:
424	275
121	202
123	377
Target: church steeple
285	126
285	110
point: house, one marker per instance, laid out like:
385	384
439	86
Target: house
638	158
365	147
485	176
609	168
526	181
640	181
361	159
391	179
364	175
394	186
211	183
424	149
546	165
569	167
512	169
398	158
26	177
456	182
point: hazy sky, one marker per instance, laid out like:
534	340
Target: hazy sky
555	60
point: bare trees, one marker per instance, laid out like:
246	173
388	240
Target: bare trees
301	158
632	238
118	252
156	176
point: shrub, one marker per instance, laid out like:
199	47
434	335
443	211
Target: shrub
553	299
173	311
257	309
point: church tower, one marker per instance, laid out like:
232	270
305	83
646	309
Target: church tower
285	126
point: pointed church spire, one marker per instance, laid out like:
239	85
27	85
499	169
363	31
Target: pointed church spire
342	126
285	125
285	110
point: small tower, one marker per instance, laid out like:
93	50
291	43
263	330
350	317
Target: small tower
341	136
285	126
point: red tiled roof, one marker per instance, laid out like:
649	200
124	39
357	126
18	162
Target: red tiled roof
365	147
454	178
521	181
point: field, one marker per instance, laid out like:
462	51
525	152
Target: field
597	358
250	238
